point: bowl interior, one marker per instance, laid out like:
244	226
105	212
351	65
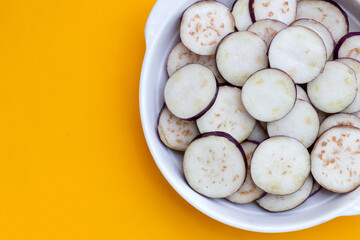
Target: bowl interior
317	209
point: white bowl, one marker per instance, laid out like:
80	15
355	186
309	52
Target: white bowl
162	33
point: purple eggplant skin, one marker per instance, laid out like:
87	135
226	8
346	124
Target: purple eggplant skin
283	210
202	2
251	10
200	114
261	196
251	141
278	137
227	84
345	64
342	40
312	194
158	119
157	124
279	211
228	137
219	85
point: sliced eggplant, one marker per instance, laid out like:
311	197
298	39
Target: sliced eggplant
298	51
239	55
204	24
269	94
174	132
334	89
190	91
215	165
228	114
348	46
280	165
335	159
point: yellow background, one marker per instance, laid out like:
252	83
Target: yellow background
74	162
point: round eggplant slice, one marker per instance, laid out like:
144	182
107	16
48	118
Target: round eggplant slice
239	55
280	165
335	159
215	165
190	91
204	24
269	94
298	51
334	89
174	132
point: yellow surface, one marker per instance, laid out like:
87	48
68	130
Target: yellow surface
74	162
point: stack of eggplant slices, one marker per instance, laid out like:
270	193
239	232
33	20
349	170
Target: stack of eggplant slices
264	101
